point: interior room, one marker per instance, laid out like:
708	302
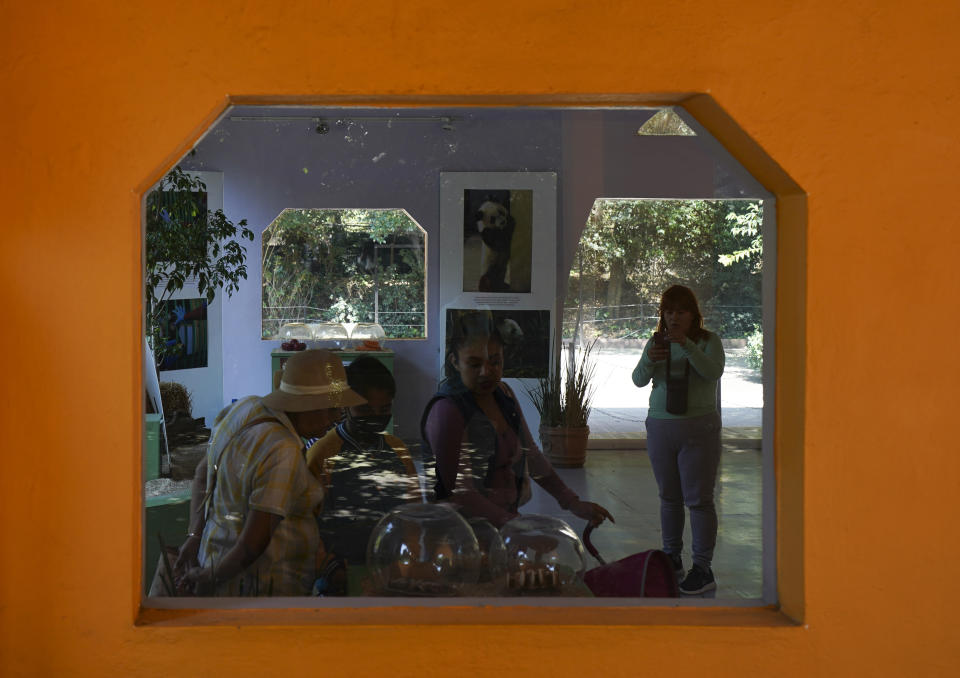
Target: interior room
270	165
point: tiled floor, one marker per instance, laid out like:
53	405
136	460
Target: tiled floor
622	481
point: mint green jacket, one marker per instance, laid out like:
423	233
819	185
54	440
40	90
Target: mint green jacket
706	365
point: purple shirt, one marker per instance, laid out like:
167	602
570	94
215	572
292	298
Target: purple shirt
445	429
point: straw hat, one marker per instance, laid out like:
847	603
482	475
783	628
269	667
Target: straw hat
312	380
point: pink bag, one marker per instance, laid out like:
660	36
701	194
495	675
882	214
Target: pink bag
648	574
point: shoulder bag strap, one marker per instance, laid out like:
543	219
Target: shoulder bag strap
212	477
686	370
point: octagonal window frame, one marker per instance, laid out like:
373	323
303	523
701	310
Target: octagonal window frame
786	433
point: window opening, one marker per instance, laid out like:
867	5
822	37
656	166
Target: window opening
348	266
630	251
344	265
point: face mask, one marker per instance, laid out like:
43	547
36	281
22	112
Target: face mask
369	425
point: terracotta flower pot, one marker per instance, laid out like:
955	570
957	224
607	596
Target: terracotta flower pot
565	447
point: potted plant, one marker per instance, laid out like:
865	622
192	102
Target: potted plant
562	399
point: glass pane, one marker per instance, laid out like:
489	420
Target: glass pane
317	237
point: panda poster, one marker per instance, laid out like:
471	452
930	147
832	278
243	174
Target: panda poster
524	336
497	240
498	253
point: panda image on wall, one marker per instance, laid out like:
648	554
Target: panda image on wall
525	336
510	331
495	226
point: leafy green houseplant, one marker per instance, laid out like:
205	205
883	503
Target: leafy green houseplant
562	399
185	240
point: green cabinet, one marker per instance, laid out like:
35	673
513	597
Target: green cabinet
151	445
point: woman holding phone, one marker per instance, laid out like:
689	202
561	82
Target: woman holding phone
685	362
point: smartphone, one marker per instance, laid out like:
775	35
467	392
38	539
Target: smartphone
660	340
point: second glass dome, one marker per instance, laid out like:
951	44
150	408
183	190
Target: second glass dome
544	556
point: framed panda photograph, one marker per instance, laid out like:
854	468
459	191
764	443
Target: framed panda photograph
524	334
507	228
498	253
497	240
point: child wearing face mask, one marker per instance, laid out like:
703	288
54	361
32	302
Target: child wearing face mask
366	471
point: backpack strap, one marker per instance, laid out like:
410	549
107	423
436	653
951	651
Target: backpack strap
686	371
212	476
509	403
440	492
510	409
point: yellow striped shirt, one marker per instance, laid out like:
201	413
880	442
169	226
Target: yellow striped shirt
263	468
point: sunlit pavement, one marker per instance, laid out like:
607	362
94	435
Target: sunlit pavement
620	408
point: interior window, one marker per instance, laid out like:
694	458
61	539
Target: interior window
344	266
632	247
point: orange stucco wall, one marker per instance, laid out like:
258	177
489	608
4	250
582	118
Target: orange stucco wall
858	101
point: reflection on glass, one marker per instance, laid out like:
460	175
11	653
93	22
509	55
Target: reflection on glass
423	550
630	251
345	266
368	331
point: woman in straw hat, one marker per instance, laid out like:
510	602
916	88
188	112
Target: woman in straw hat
253	529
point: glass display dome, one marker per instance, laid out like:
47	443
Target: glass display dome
368	331
295	331
328	331
493	557
544	556
423	550
367	336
